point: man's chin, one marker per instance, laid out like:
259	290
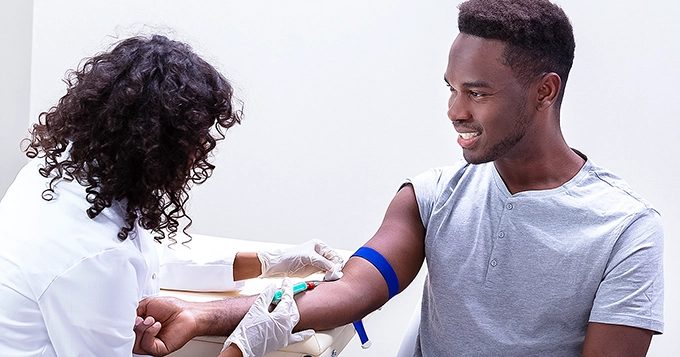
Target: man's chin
474	160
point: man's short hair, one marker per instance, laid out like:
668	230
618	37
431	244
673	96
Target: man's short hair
538	34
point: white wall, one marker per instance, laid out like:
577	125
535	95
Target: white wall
15	68
345	99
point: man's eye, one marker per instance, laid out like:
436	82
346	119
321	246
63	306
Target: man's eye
450	87
476	94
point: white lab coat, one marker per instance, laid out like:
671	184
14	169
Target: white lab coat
68	286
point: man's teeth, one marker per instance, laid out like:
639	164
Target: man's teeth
468	135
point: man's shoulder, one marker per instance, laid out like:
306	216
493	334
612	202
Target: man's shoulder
456	172
460	179
602	184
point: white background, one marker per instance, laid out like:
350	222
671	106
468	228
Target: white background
344	99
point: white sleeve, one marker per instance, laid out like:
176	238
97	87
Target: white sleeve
90	309
197	268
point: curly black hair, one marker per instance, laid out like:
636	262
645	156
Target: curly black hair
538	33
136	124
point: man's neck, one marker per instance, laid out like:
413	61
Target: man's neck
541	170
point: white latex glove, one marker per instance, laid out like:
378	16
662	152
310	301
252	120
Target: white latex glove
261	331
300	261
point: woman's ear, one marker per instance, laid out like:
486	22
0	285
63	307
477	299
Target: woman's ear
547	90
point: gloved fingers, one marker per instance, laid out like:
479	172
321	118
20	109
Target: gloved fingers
301	335
287	297
335	271
327	252
265	298
311	257
287	286
286	311
334	274
321	263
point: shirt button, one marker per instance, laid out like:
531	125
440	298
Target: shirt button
153	276
493	262
501	234
509	206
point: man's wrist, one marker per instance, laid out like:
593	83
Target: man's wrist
220	318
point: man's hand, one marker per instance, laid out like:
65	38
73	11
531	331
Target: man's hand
163	325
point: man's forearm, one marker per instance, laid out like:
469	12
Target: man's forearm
220	318
183	320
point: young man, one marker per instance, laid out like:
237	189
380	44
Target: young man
112	164
532	249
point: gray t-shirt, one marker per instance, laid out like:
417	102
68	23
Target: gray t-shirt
523	274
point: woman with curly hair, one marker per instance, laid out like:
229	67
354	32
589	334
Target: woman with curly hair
112	164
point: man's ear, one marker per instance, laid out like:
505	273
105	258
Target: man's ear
547	89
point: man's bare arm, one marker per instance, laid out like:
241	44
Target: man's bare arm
362	289
606	340
180	321
400	239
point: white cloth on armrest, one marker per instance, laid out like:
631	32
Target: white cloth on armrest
197	267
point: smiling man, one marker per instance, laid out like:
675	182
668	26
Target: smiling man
532	249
